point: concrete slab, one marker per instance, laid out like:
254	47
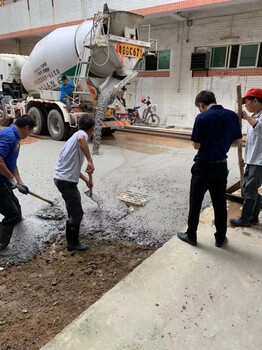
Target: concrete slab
182	297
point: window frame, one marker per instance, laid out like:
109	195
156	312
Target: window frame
240	52
157	63
228	53
163	69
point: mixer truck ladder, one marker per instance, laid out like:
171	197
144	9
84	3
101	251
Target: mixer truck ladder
85	60
81	76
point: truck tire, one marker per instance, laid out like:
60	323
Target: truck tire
107	131
58	129
39	116
6	121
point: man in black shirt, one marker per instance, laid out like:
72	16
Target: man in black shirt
214	131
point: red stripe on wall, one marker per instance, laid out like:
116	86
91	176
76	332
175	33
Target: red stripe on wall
228	72
181	5
164	74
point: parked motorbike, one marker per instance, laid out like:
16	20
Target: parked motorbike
148	117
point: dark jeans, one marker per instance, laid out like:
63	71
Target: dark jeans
211	177
67	102
72	199
9	206
252	181
11	210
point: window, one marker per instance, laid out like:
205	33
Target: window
235	56
159	60
219	57
248	55
164	59
151	61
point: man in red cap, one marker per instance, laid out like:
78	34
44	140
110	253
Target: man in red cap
253	160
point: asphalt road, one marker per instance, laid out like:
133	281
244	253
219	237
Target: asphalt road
157	168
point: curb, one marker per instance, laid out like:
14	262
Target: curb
168	132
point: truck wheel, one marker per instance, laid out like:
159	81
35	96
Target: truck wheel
39	116
58	129
107	131
6	121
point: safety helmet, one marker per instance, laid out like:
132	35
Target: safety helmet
143	100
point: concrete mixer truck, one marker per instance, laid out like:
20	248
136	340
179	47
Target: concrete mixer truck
10	82
98	56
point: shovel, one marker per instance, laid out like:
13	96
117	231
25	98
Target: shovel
39	197
90	193
239	184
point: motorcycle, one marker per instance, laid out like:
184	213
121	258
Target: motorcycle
149	117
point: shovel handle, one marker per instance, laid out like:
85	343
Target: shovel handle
239	149
39	197
91	181
42	198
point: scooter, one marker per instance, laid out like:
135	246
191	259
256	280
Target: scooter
149	116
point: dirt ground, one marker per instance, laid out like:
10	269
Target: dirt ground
38	299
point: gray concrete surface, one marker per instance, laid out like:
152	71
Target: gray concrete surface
182	297
147	166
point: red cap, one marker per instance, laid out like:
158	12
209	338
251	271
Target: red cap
255	92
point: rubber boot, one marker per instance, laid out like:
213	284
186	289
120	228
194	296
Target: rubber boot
6	232
72	237
253	220
247	210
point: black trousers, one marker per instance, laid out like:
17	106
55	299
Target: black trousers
210	177
9	206
72	199
252	181
11	210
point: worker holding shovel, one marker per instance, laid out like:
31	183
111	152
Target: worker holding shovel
67	174
10	177
253	160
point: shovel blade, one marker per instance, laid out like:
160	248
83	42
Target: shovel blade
92	196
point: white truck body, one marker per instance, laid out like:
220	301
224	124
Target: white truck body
10	68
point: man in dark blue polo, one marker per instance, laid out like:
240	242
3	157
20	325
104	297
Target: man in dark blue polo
214	131
10	177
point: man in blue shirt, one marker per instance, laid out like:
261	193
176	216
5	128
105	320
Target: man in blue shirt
10	177
214	131
66	92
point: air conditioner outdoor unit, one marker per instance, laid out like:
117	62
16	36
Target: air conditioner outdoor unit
200	61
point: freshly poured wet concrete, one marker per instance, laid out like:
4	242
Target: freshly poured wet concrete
181	297
150	166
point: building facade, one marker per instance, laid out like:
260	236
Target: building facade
196	45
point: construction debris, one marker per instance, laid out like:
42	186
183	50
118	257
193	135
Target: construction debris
132	200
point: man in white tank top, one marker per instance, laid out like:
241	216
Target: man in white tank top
66	177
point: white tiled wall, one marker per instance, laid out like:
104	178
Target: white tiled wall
41	14
66	11
175	96
94	6
16	16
